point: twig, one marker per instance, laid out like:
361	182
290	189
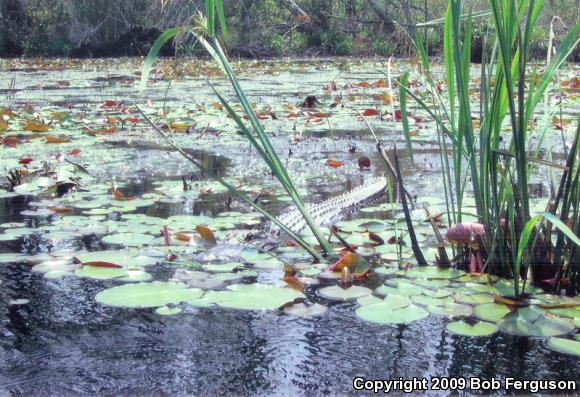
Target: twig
414	244
443	258
383	155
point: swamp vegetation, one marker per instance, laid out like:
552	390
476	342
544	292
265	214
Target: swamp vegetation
193	225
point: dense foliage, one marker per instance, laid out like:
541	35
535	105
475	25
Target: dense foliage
258	27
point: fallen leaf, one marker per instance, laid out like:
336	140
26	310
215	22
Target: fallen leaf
206	234
334	163
119	196
294	283
376	238
55	139
183	236
35	126
370	112
102	264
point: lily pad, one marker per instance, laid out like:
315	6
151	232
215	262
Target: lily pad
434	272
152	294
100	273
473	299
384	313
480	328
129	239
566	346
338	293
451	310
493	312
531	321
402	289
253	296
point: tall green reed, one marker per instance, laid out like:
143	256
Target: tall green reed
204	32
510	91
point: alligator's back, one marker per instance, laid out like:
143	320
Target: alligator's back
330	210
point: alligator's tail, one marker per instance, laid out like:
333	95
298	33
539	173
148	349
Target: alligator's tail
331	209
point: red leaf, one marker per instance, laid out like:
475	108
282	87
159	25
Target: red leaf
398	115
25	160
74	152
370	112
376	238
102	264
334	163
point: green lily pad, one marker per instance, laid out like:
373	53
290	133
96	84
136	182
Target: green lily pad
397	301
473	299
492	312
432	283
566	346
152	294
402	289
384	313
130	258
434	272
129	239
100	273
368	299
451	310
439	293
338	293
253	296
431	301
532	321
480	328
386	270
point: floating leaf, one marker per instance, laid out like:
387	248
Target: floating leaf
401	289
473	299
480	328
101	264
532	321
253	296
384	313
451	310
334	163
566	346
434	272
35	126
491	311
338	293
129	239
207	235
152	294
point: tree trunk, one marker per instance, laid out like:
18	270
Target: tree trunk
388	22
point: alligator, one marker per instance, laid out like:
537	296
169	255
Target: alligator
329	211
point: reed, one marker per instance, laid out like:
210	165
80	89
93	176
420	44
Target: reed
511	88
205	33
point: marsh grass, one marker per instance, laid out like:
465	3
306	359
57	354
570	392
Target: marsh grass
510	91
205	33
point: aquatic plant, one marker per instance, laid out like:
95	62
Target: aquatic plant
205	33
510	91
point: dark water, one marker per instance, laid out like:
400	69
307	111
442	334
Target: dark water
64	343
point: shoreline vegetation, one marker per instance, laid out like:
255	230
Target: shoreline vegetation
267	29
